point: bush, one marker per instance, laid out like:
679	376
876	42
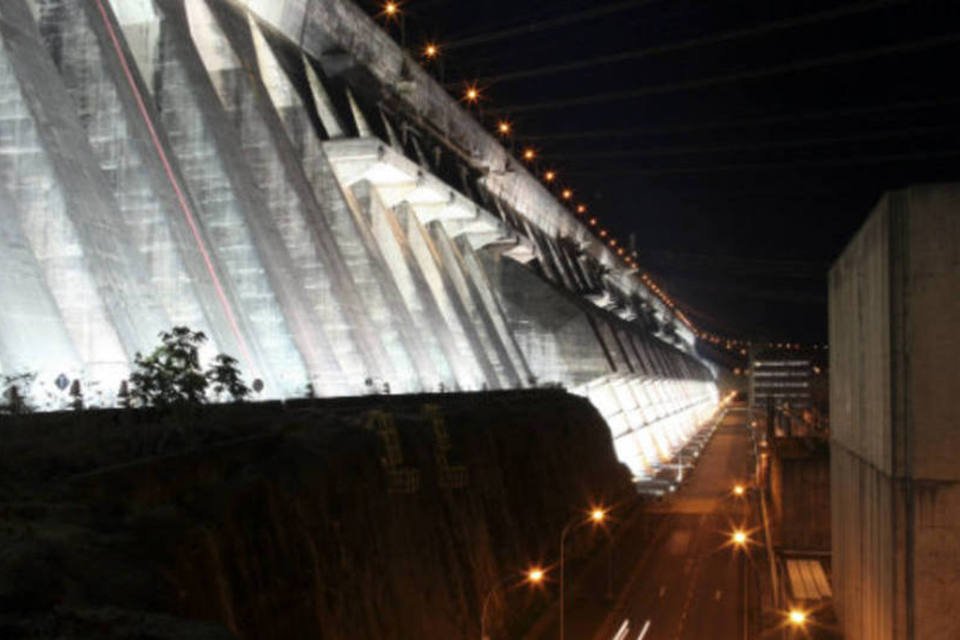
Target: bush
172	375
14	390
225	377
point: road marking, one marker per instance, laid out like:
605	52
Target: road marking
643	632
717	595
622	631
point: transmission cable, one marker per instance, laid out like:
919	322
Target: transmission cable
702	41
544	25
742	122
755	74
770	144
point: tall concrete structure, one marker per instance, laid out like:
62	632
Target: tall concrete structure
895	481
282	176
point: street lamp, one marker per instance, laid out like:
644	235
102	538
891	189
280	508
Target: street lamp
739	490
740	540
533	576
797	618
596	517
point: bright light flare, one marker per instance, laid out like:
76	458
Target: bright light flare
550	176
598	515
566	194
529	154
504	127
471	94
581	209
797	617
535	575
739	490
739	538
431	50
391	9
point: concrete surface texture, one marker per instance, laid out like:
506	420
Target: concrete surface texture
282	177
894	315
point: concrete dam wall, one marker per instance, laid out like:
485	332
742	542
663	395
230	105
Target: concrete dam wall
349	519
894	314
284	178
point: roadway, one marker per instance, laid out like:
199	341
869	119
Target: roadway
675	573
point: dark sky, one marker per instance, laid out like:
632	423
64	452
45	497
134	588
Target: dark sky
741	142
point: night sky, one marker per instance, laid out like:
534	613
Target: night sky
740	143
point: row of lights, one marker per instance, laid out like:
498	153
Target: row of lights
473	95
741	541
536	575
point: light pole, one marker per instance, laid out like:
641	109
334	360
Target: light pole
740	541
596	517
533	577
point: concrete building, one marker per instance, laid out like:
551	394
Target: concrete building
282	176
895	420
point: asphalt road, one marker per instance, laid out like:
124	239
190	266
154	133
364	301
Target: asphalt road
676	575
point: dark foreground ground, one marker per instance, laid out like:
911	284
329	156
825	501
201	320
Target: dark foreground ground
360	518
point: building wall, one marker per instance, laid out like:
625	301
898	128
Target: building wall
894	313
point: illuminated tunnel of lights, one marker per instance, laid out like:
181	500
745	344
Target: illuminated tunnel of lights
283	177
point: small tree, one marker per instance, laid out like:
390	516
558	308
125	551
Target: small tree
15	391
171	374
225	377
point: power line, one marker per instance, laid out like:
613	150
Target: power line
674	87
835	162
741	122
544	25
772	144
727	36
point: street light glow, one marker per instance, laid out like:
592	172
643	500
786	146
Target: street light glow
739	490
797	617
739	537
504	127
471	94
581	209
391	9
566	194
431	51
598	515
535	575
529	154
550	176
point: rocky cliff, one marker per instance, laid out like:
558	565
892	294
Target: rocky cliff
376	517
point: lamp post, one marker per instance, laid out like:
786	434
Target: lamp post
740	540
596	517
533	577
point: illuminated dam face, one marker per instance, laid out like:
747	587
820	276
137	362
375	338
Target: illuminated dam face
282	177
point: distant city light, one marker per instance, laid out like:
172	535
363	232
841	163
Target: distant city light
529	154
550	176
471	94
504	127
566	194
431	51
